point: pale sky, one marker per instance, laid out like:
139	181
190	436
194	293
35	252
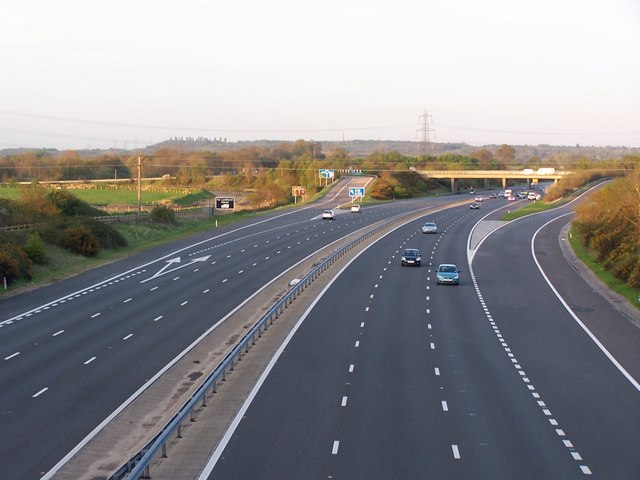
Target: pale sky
127	73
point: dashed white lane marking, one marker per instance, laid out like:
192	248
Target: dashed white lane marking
456	452
225	280
366	309
433	346
205	291
95	315
585	469
357	345
157	318
361	324
344	401
334	449
12	355
59	332
36	395
127	300
152	289
445	406
351	367
176	278
128	336
436	371
90	360
184	303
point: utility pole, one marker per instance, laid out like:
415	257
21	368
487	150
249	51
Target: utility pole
139	186
425	131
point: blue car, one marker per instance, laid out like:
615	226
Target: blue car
447	274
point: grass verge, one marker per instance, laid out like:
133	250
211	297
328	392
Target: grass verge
614	284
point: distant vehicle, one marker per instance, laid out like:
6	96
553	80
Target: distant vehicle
508	192
328	215
511	198
546	171
501	194
493	195
411	256
474	206
533	196
355	208
429	227
527	171
447	273
479	198
472	192
522	194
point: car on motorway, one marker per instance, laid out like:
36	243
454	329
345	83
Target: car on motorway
411	256
472	192
474	206
479	198
511	198
328	215
355	208
447	274
429	227
493	195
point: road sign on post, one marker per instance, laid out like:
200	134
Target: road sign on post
356	192
225	203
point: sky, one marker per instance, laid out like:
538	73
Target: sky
78	74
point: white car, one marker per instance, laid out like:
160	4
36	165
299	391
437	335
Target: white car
328	215
429	227
355	208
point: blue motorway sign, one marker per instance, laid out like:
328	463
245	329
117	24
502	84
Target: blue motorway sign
356	192
324	173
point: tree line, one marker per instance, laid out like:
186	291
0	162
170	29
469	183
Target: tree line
609	225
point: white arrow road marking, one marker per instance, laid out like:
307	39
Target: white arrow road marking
164	270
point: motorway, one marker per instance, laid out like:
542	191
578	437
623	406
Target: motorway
73	352
523	371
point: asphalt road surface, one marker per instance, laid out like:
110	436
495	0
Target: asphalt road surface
73	352
392	376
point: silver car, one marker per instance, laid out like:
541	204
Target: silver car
429	227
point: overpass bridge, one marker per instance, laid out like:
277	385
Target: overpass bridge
518	176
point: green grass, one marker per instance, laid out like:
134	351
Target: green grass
603	275
114	196
530	208
63	264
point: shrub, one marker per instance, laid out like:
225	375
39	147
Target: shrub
9	268
70	205
34	248
17	262
162	214
79	240
105	234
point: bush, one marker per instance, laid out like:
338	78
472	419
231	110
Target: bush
16	263
105	234
70	205
34	248
79	240
162	214
9	268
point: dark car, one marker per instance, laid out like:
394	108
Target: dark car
411	256
474	206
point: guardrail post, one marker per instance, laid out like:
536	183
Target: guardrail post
164	450
180	431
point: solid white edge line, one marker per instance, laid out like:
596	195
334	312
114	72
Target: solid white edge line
161	372
217	453
575	317
157	260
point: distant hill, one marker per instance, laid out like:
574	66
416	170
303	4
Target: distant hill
360	148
